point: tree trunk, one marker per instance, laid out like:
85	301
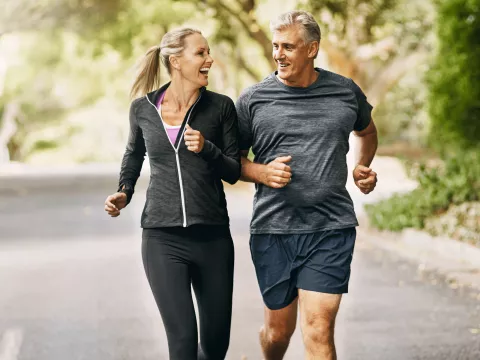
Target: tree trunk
253	29
3	69
340	62
8	129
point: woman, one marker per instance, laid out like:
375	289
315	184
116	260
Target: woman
190	136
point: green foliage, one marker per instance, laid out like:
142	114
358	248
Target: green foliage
44	145
80	52
454	100
455	181
75	52
44	15
454	109
402	116
138	25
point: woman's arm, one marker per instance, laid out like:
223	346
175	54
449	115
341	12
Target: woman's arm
226	160
133	158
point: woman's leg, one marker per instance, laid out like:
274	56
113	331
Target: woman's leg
166	262
212	282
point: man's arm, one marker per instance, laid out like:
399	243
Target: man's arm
275	174
367	145
364	177
250	171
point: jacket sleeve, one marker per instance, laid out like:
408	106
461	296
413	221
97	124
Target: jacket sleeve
226	159
133	157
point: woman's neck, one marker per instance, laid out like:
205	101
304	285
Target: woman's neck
180	96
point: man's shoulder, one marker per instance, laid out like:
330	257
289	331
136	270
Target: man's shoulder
340	80
248	92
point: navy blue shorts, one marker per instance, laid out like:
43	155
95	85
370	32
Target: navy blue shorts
317	262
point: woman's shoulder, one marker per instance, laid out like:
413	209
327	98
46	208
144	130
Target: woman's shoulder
219	101
217	97
137	101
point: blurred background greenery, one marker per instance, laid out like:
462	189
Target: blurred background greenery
66	67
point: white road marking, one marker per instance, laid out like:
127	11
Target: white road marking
10	344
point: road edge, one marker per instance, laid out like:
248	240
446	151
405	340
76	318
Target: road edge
458	262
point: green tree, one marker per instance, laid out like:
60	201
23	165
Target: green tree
373	42
57	56
449	187
19	19
454	100
237	26
39	15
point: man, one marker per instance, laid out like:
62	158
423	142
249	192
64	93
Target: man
297	122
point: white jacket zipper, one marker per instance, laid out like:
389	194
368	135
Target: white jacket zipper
182	194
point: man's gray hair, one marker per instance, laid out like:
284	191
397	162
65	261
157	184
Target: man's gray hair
311	30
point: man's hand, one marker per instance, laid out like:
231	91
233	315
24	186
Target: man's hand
194	140
115	203
276	173
365	178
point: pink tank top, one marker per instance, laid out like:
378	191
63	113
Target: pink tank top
172	131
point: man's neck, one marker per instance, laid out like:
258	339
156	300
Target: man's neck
307	79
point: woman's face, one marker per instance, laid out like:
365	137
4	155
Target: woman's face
195	61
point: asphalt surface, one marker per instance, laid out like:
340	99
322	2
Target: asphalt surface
72	286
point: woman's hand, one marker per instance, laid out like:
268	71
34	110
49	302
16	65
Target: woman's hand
115	203
194	140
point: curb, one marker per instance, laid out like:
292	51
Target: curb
458	262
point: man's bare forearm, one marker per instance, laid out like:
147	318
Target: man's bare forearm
366	149
251	172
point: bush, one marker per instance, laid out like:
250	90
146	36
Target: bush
454	181
454	110
454	79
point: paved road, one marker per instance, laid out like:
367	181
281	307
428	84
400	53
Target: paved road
72	287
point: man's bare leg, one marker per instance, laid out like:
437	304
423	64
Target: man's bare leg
275	334
317	314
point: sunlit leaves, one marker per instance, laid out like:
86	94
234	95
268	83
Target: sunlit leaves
454	102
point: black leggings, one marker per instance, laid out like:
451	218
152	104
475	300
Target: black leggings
202	257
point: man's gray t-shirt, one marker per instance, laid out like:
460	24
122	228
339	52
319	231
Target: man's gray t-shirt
312	125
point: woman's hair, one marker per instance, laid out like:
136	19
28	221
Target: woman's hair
148	78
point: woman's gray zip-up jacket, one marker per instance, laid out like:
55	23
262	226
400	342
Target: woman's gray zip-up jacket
185	188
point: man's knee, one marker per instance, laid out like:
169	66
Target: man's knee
277	333
318	329
279	324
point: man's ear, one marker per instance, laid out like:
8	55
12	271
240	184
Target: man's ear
313	48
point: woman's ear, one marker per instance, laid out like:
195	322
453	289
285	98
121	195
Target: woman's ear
174	63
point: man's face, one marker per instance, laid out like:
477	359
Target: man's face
290	53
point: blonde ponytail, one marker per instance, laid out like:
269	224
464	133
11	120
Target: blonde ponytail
148	78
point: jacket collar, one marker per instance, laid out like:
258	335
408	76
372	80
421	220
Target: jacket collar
154	95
